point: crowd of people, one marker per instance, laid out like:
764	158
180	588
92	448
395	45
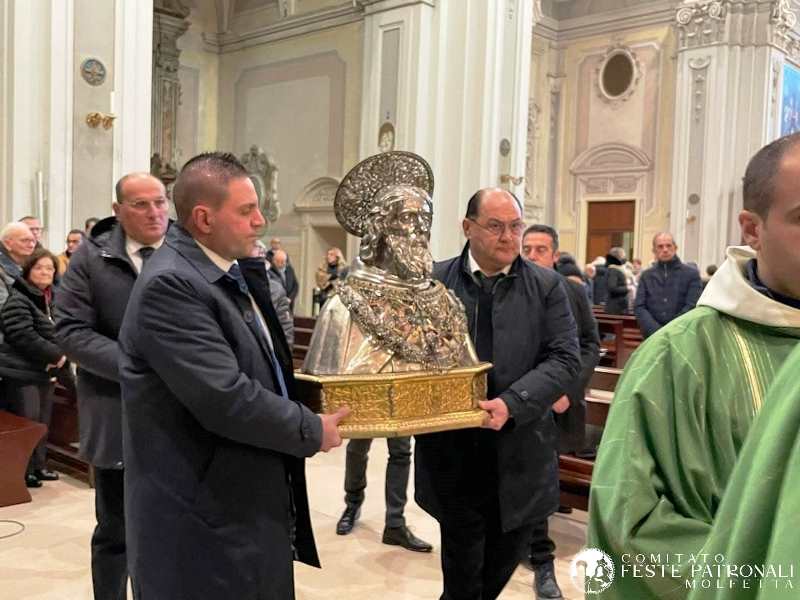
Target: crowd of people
214	403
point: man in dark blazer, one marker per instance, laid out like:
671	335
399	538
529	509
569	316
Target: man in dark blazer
540	246
92	298
214	438
487	487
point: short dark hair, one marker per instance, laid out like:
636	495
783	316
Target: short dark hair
546	229
37	255
759	178
474	203
205	177
74	231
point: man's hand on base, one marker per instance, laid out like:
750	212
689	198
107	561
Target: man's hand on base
498	413
330	429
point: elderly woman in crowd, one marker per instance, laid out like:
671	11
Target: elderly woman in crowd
29	356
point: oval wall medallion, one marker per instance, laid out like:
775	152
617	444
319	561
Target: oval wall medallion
93	71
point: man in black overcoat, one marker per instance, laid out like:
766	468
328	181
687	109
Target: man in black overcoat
487	487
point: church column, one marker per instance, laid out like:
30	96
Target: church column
449	79
729	64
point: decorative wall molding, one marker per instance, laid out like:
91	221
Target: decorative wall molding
288	27
614	50
317	196
649	14
702	23
699	88
617	158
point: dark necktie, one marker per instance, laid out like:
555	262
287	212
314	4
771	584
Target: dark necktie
235	273
484	330
146	252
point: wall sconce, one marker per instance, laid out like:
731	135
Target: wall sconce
95	119
511	179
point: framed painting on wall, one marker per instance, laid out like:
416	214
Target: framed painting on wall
790	104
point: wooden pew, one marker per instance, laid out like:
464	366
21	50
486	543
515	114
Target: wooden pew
615	348
18	438
62	440
575	474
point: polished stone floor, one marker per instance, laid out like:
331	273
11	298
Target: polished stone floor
49	560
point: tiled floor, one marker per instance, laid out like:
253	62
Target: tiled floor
49	560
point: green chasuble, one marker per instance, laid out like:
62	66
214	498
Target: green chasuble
757	527
679	418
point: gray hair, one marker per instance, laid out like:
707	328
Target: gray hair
618	252
13	228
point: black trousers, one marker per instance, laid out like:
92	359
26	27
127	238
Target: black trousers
109	561
397	472
34	402
478	558
542	546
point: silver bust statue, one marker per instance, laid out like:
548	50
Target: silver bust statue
389	315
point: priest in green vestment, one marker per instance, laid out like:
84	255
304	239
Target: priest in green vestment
688	396
756	527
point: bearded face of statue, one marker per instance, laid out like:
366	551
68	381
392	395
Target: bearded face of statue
407	239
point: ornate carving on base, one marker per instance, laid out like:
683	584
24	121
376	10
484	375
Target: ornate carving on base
419	402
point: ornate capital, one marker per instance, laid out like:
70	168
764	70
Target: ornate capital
701	23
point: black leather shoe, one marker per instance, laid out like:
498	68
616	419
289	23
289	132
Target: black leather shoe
564	510
348	520
402	536
544	582
45	475
31	480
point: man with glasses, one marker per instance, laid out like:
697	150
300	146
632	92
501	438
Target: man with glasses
35	225
488	487
92	300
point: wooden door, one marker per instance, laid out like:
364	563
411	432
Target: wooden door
610	224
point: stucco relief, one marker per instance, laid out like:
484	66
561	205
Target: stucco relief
534	133
264	173
612	169
618	49
699	85
318	195
701	23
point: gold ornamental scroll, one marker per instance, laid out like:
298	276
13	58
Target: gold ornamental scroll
399	404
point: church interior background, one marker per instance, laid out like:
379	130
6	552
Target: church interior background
611	120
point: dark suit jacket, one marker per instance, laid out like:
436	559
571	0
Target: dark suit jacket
535	356
289	282
213	455
90	304
572	423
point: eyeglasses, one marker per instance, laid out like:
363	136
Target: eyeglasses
497	228
144	205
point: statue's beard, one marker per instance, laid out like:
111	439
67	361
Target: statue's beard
412	260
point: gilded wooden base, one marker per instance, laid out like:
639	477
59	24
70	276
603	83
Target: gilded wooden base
399	404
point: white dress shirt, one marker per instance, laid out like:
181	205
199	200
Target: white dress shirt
132	247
